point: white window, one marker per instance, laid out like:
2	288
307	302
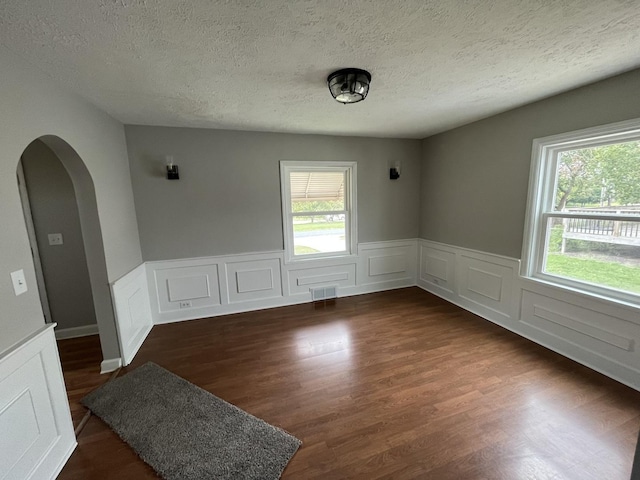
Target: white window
318	209
583	216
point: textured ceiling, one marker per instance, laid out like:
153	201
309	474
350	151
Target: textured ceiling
262	65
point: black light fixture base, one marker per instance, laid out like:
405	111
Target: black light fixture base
349	85
172	172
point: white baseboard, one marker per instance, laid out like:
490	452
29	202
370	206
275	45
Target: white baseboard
282	302
110	365
377	287
198	313
76	332
64	458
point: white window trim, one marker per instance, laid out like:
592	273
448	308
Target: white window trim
544	159
350	198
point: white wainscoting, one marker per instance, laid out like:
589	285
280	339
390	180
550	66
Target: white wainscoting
600	334
132	311
186	281
388	265
300	277
438	268
36	431
487	282
479	282
212	286
253	279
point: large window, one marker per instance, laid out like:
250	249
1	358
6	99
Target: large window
318	209
583	220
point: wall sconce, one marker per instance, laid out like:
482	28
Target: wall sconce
394	170
172	169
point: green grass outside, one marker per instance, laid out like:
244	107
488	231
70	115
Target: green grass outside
304	250
555	239
609	274
306	227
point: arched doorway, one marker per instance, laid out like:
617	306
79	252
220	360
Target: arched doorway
93	246
53	224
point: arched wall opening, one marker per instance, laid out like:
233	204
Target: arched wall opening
93	245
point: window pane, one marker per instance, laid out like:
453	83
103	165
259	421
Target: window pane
317	191
319	234
599	178
602	252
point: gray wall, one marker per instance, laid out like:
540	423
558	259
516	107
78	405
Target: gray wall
31	108
227	200
54	210
475	178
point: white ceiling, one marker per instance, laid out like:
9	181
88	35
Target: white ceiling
262	64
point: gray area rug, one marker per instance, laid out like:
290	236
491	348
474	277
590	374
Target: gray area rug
185	432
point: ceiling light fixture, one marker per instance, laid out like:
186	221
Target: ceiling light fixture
349	85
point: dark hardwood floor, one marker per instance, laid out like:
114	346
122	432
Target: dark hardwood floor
80	358
394	385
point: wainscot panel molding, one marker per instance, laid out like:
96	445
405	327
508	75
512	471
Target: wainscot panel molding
388	262
185	282
132	310
300	277
600	334
487	282
36	430
253	279
437	267
187	289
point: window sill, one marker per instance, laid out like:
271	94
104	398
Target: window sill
329	260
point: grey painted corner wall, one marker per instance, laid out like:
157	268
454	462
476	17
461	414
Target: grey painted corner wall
54	210
475	178
227	200
33	107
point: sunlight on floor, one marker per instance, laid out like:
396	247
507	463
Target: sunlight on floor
321	340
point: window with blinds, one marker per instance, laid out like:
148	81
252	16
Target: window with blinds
318	209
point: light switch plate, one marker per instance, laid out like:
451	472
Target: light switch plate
19	282
55	239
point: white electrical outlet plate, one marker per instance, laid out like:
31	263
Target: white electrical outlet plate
55	239
185	304
19	282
